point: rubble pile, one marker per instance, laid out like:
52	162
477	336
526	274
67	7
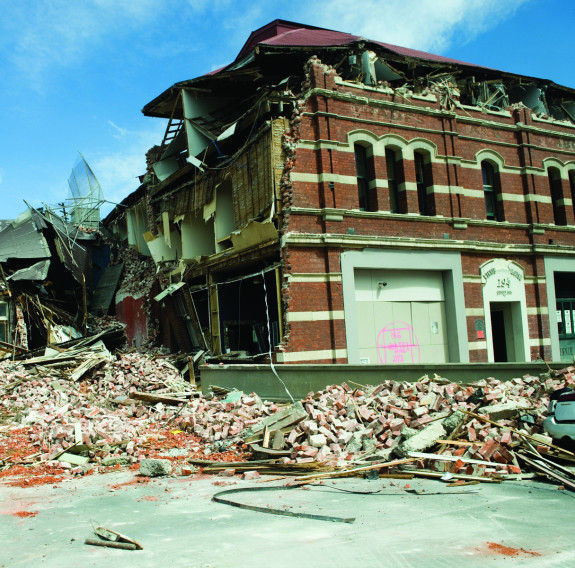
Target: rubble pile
138	275
118	408
102	323
340	425
93	419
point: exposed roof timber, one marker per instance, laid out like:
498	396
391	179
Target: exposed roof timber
284	38
164	104
204	84
174	183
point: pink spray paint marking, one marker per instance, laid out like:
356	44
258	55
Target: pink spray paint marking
396	343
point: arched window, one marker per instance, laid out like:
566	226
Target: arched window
556	196
493	209
363	172
391	157
423	181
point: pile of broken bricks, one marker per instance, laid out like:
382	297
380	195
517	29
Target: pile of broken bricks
108	412
431	428
96	416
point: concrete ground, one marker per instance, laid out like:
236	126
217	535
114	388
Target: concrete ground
526	523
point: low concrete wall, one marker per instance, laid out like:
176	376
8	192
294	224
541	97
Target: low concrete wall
302	379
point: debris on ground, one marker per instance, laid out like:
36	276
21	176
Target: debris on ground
82	410
113	539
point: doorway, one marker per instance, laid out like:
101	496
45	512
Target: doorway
499	335
506	331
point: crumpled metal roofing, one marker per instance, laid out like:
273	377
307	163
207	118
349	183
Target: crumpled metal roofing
22	239
38	271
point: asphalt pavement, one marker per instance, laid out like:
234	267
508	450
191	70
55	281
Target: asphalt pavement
414	523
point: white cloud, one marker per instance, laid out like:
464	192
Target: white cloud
428	25
58	33
121	132
118	171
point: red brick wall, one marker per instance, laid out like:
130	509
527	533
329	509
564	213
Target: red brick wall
453	137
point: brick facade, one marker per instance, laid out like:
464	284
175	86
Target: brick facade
325	199
407	212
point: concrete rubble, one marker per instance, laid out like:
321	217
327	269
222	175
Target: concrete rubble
118	410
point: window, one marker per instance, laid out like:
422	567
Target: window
362	174
556	196
392	183
491	191
423	181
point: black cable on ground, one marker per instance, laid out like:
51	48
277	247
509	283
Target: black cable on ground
219	499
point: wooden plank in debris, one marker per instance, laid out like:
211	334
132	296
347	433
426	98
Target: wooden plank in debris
73	459
113	536
155	398
551	463
88	364
110	544
3	276
58	454
460	443
396	476
11	347
77	433
191	374
290	415
439	475
482	418
355	470
227	465
16	383
266	440
442	457
548	470
278	440
269	451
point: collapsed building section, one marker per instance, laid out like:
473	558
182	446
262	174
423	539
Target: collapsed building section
328	199
49	269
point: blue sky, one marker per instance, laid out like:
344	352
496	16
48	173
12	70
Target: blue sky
76	73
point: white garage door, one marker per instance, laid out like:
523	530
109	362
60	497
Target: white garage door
401	316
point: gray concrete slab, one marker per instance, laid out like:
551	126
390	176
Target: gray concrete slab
179	526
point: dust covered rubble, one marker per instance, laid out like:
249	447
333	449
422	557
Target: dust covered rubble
342	425
111	423
337	426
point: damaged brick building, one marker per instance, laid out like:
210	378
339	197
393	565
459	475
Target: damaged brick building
331	199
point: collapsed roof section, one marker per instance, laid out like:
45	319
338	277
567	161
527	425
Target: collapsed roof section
47	272
213	114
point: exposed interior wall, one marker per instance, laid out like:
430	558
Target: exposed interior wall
198	237
253	178
248	314
131	310
224	222
162	249
137	225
